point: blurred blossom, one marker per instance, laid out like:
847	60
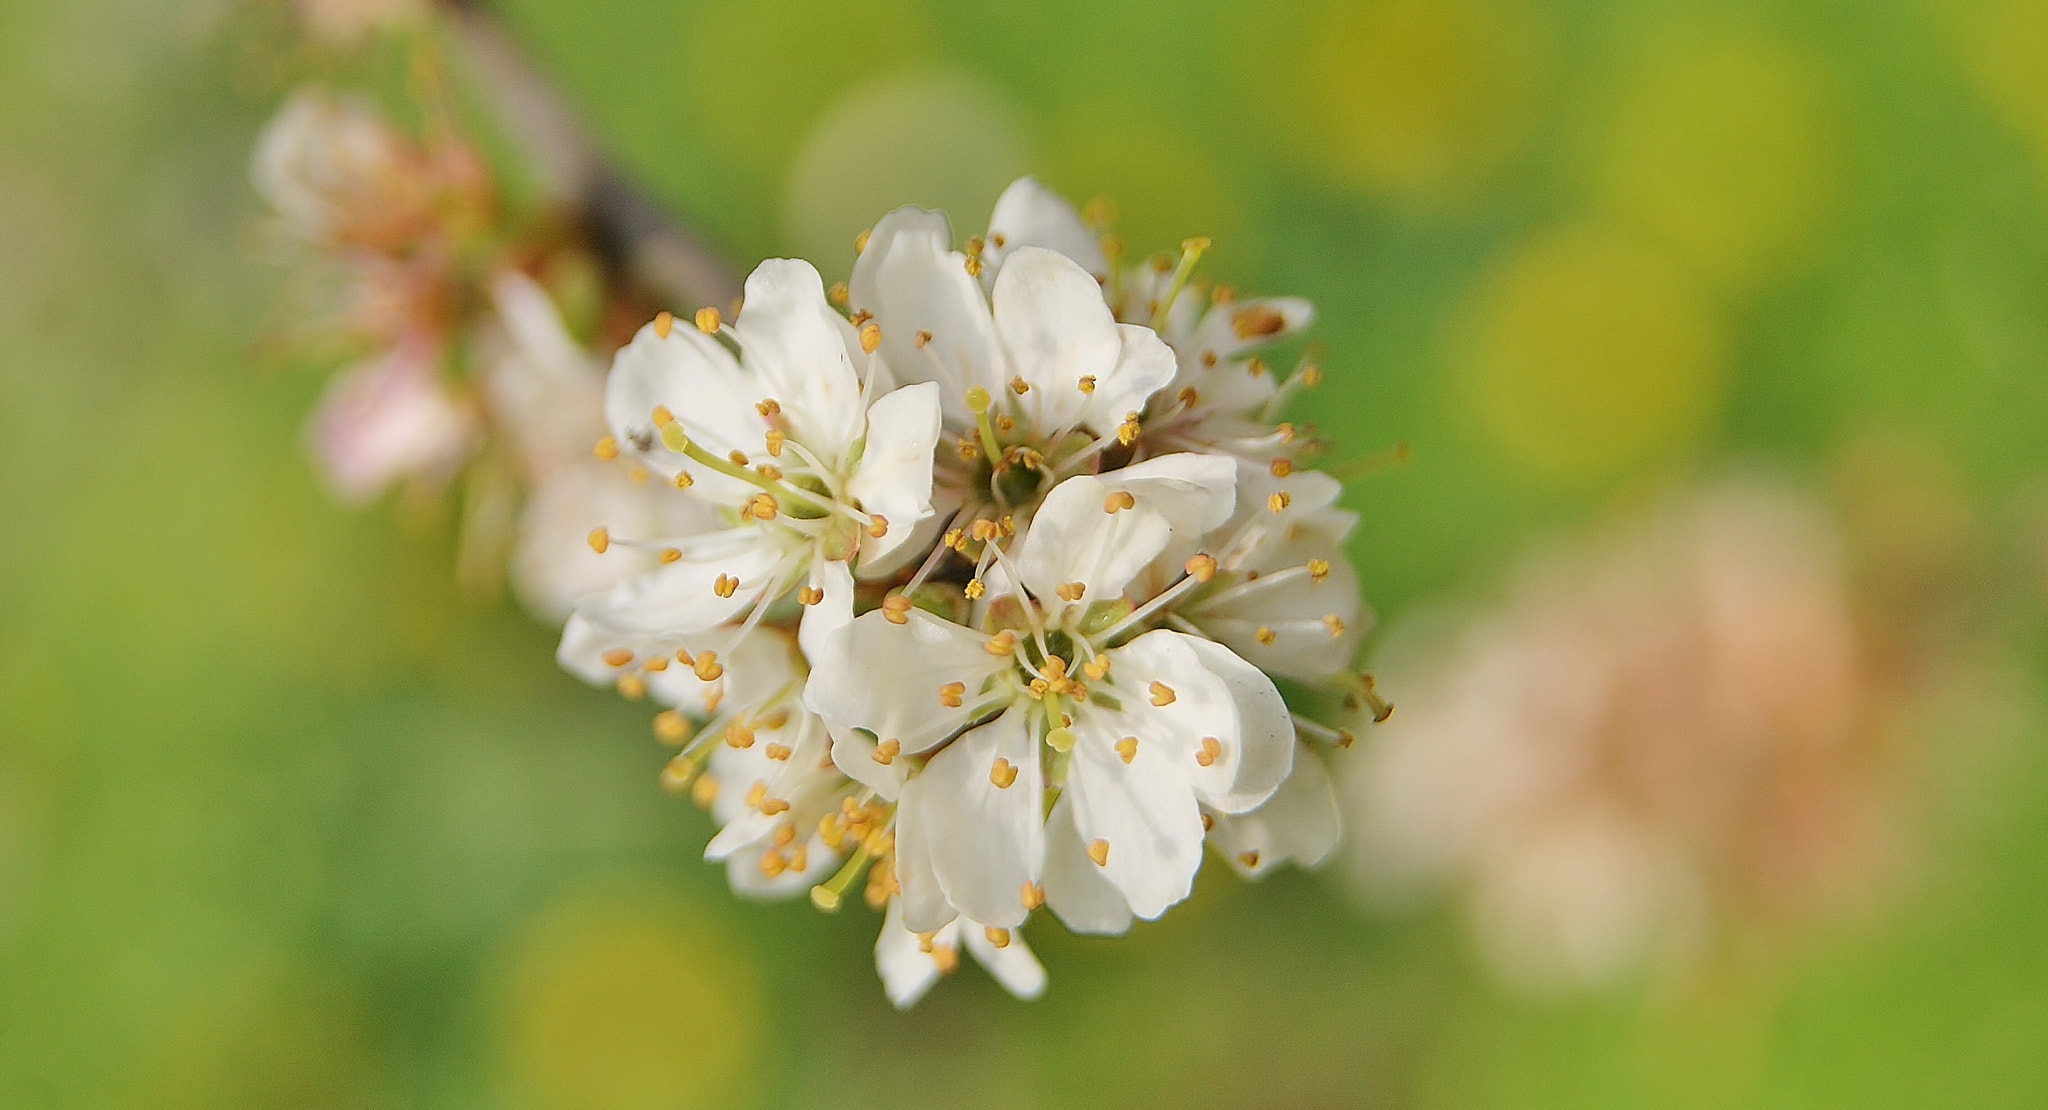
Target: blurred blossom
1589	350
347	22
1726	152
1666	735
1417	100
389	419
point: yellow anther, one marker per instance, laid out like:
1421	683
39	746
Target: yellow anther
1318	569
713	696
638	474
1009	524
983	530
773	806
1162	694
683	480
1279	501
704	790
769	470
924	941
1118	501
738	735
1005	424
878	525
1019	386
951	694
736	457
886	752
607	449
1098	850
1346	738
954	539
1061	739
973	266
725	585
1201	568
1127	432
1281	467
600	540
896	609
670	727
632	687
1285	430
676	774
1209	358
1087	383
707	319
810	595
974	589
837	294
772	863
1257	321
1265	636
860	242
1095	668
1002	773
1335	624
998	937
1311	376
801	858
1071	591
765	506
1249	859
921	338
777	752
870	337
1208	823
707	667
664	322
1223	294
1254	367
756	793
1031	895
1127	748
663	417
967	449
767	406
975	245
946	956
1189	397
1210	751
784	835
1002	643
657	663
670	555
617	657
1038	687
977	400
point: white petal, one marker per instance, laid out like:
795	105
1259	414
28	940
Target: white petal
1215	695
886	678
1074	538
1075	889
552	563
907	970
895	475
1055	331
585	642
1144	366
1258	763
679	598
1144	810
833	612
697	380
1012	965
743	872
925	908
1298	824
1293	611
1239	327
913	281
1195	493
1030	215
796	347
388	419
853	752
763	665
987	841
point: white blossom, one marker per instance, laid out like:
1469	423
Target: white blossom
911	962
387	419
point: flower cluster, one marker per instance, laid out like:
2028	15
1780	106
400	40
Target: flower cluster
982	570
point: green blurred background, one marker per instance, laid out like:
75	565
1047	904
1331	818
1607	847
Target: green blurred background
285	822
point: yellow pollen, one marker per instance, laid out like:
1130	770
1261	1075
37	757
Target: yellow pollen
974	244
878	526
600	540
1118	501
1257	321
954	539
707	320
1264	636
657	663
1071	591
765	506
998	937
670	727
1281	468
1002	773
755	793
973	266
1127	432
945	955
983	530
967	449
810	595
606	449
738	735
707	667
1098	850
1009	524
837	294
676	774
1005	424
664	322
896	609
1189	397
769	470
1019	386
924	941
1249	859
1285	431
725	585
951	693
1208	823
777	752
1162	694
1254	367
1209	752
670	555
870	337
683	480
773	806
1201	568
974	589
632	687
862	317
1127	748
1318	569
801	858
1208	358
715	695
1095	668
860	242
704	790
1087	384
1031	895
921	338
1038	687
772	863
737	458
1002	643
784	835
663	417
1335	624
886	752
1311	376
617	657
1279	501
768	406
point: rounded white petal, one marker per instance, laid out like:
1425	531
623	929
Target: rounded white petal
553	565
1215	695
987	840
1075	889
1298	824
682	598
1030	215
1074	537
895	475
907	970
913	281
925	908
886	678
796	347
833	612
1013	965
1055	330
695	378
1143	810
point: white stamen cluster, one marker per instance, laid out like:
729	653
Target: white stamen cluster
1006	553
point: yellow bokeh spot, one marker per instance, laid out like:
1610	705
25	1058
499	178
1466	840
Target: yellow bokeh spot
935	139
616	1005
1421	100
1727	154
2005	48
1590	351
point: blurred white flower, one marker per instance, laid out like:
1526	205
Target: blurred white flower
387	419
348	22
1667	734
